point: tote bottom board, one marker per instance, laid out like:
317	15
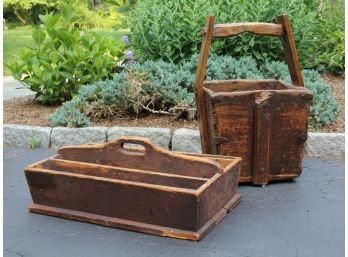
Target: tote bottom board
138	226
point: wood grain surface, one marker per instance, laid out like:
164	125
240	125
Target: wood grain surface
264	122
150	190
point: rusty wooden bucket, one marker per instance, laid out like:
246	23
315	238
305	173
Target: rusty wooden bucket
263	121
152	190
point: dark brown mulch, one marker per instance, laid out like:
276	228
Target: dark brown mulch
26	111
337	86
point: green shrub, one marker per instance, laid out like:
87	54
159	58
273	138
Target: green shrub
276	70
226	67
160	87
103	16
324	109
69	115
123	6
64	58
28	11
330	51
169	30
332	58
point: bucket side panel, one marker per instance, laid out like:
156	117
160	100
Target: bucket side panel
234	122
289	133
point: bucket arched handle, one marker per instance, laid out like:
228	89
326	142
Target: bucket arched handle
279	29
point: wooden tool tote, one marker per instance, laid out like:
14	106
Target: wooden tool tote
152	190
262	121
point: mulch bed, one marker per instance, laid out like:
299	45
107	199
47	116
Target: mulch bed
337	86
25	111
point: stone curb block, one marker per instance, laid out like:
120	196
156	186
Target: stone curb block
186	140
158	136
322	145
325	145
26	136
62	136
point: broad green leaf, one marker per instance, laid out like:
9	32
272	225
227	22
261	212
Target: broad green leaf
46	75
252	41
37	71
34	80
54	57
98	63
257	55
39	36
67	75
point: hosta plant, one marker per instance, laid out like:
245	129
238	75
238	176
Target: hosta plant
64	58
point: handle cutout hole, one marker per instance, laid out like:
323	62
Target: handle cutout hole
135	149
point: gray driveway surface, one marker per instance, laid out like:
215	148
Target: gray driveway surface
12	89
304	217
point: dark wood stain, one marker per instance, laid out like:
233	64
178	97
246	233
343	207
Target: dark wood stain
264	122
111	185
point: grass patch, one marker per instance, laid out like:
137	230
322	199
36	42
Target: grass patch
20	37
15	39
116	34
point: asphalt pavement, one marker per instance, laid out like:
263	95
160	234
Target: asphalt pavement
302	217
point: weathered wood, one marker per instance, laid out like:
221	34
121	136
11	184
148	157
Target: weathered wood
85	183
118	173
209	201
290	52
289	131
152	158
262	121
267	128
262	138
198	84
259	28
243	85
235	121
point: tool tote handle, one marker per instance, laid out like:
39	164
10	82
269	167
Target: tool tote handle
279	29
138	141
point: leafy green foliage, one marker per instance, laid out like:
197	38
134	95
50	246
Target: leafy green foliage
69	115
34	142
103	16
27	11
169	30
64	58
276	70
226	67
123	6
160	87
324	109
330	51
